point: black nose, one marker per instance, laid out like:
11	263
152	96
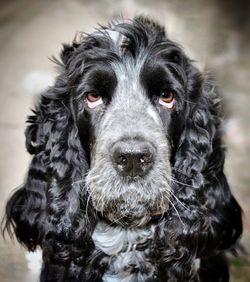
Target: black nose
134	158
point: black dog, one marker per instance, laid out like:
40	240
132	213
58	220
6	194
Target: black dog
126	181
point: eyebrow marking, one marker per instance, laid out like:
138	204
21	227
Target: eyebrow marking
153	115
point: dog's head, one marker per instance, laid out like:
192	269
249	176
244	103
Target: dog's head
128	98
130	130
129	101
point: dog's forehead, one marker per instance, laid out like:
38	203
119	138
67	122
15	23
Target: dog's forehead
126	59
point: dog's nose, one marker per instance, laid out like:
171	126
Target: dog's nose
133	158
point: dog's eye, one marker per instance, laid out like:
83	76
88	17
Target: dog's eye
93	99
167	99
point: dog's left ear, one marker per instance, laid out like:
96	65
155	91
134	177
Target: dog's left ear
200	157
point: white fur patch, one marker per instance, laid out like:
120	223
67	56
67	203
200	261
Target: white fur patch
120	245
114	35
153	115
197	264
34	261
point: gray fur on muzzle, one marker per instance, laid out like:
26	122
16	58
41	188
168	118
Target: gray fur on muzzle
132	124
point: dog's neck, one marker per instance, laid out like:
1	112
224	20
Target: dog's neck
115	239
126	249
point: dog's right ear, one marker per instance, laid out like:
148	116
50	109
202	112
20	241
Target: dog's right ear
25	210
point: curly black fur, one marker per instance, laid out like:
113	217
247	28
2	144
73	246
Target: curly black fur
52	210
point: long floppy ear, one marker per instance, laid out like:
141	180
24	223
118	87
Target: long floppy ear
52	195
204	217
216	216
25	209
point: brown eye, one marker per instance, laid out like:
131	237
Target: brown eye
93	100
93	97
167	99
167	96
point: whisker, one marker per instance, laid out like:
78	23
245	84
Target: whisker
77	182
176	211
189	102
87	204
172	193
180	171
183	205
178	200
115	221
179	182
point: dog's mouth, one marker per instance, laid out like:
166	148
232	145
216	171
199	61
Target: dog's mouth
131	218
130	208
129	200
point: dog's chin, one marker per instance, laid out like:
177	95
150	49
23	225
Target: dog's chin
132	216
129	222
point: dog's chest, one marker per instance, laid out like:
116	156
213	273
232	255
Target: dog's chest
127	252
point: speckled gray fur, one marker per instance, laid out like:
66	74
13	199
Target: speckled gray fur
123	257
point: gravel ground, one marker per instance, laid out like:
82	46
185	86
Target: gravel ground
215	35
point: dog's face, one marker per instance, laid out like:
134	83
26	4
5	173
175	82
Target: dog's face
126	106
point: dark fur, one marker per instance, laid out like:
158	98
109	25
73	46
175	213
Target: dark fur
50	209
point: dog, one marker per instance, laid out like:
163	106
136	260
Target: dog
126	181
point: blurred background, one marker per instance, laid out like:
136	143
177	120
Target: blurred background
216	34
